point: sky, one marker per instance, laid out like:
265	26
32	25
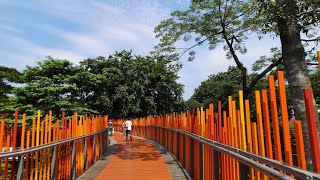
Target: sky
75	30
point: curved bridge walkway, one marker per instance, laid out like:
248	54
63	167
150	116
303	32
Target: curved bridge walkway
136	159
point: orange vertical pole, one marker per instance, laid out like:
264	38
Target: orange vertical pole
32	144
45	151
259	123
14	142
299	144
275	120
266	122
6	163
255	145
23	131
260	126
285	118
26	169
242	122
41	154
249	140
1	134
37	144
312	129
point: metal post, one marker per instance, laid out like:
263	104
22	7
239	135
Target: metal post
53	163
200	161
159	136
184	151
94	148
154	133
145	132
167	139
85	154
216	164
107	146
98	144
244	171
172	142
20	168
163	136
73	160
178	146
191	157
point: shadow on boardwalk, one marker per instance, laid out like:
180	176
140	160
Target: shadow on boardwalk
134	150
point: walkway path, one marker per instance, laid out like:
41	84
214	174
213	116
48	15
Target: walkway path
137	159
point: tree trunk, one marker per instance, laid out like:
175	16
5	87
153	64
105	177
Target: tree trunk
296	68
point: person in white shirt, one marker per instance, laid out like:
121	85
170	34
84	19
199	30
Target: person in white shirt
128	125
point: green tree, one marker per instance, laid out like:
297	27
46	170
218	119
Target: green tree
126	85
215	22
7	76
49	87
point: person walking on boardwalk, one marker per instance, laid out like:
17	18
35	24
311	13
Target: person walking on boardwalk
128	125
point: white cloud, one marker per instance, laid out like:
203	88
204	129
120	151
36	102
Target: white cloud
5	27
84	29
37	52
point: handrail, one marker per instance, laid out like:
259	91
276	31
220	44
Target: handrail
254	161
21	152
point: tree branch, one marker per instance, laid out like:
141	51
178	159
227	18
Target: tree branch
311	40
233	53
263	73
312	64
199	43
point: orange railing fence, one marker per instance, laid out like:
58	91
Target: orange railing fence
63	149
207	143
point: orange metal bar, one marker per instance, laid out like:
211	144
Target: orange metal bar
6	163
32	144
285	118
23	131
255	145
1	134
242	122
14	140
41	154
312	127
275	120
249	140
299	144
26	169
266	122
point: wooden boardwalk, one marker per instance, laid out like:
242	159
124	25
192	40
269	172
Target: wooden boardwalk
135	159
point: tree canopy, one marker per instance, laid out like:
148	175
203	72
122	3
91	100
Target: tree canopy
121	85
